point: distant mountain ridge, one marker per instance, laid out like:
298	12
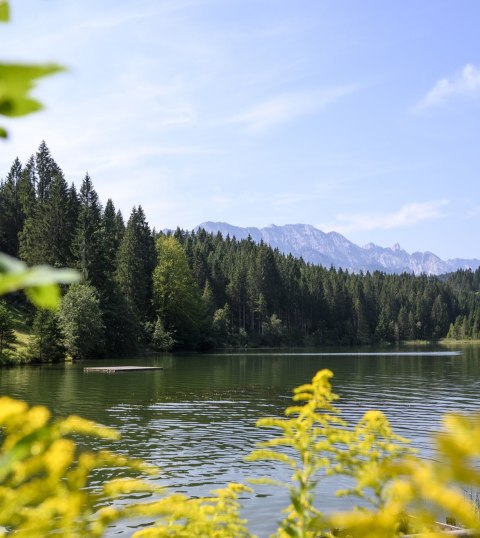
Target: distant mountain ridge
332	248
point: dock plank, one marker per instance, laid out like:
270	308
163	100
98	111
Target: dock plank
115	369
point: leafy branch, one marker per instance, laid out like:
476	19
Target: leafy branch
17	81
40	282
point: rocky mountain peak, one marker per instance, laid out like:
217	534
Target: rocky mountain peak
315	246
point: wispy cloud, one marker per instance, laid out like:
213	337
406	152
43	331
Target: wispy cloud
466	83
287	107
408	215
472	213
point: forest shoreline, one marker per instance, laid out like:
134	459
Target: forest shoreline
21	359
194	291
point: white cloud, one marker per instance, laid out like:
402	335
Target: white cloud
288	107
463	84
408	215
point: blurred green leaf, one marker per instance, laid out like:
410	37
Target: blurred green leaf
8	264
47	296
16	81
40	282
3	133
4	11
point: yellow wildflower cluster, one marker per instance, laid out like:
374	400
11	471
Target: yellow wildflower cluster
44	478
401	493
315	442
45	490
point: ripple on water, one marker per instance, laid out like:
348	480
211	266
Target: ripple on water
196	418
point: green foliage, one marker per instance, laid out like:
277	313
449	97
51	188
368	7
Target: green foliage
273	331
12	215
221	326
135	263
4	11
81	322
40	283
162	340
46	221
7	333
252	294
120	329
112	230
175	294
87	238
16	82
46	344
48	232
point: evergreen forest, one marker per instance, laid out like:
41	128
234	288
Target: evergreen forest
148	290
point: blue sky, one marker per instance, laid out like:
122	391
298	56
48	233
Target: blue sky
355	116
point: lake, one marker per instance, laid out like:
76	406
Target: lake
196	418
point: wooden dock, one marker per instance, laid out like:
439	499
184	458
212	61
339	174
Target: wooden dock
115	369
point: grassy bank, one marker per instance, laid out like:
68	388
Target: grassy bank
453	342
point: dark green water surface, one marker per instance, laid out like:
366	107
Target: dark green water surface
196	418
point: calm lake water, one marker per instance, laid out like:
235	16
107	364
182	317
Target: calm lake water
196	418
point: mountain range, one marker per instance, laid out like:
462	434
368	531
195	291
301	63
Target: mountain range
333	249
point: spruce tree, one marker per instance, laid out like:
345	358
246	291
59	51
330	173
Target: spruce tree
73	208
11	215
121	328
47	169
47	234
47	340
135	263
87	242
26	189
112	233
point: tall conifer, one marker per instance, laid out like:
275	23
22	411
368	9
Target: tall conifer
87	241
47	169
135	263
47	234
11	215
